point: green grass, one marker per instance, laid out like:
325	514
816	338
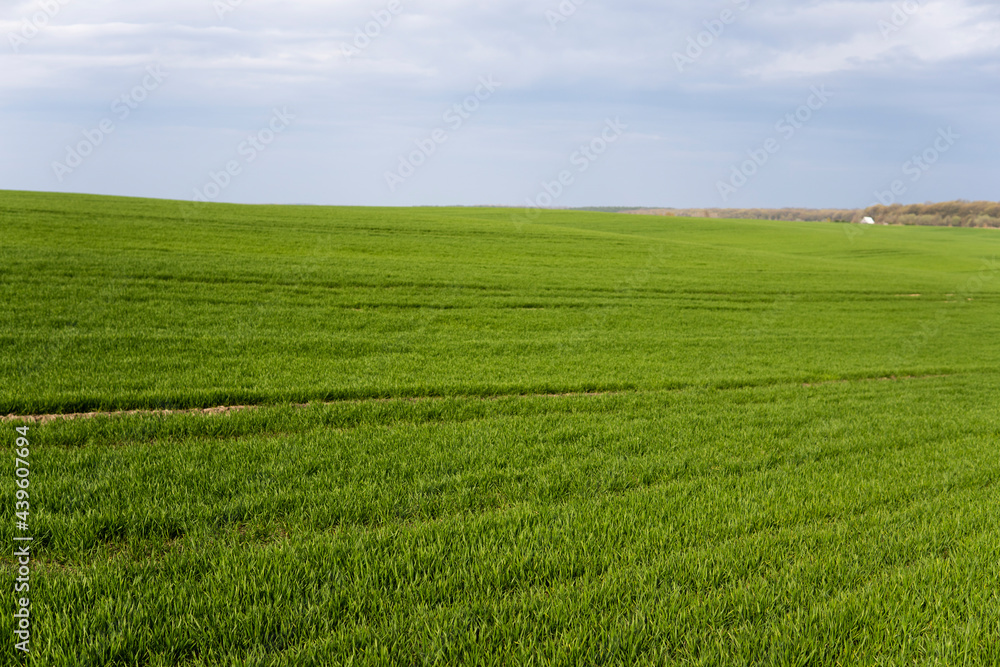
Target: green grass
591	439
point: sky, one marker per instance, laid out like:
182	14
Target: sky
548	103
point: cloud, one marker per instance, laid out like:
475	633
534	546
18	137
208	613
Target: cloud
904	35
367	79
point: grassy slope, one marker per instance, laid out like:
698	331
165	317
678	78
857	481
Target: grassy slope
128	303
716	511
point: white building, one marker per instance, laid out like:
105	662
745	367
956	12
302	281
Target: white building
867	221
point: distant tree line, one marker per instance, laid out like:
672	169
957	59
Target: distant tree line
944	214
787	214
609	209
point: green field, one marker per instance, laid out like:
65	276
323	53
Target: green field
583	439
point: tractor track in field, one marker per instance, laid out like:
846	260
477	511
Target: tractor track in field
41	419
888	378
226	409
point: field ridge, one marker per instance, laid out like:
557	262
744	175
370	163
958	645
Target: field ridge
225	409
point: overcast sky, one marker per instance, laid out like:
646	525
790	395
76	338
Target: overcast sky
740	103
